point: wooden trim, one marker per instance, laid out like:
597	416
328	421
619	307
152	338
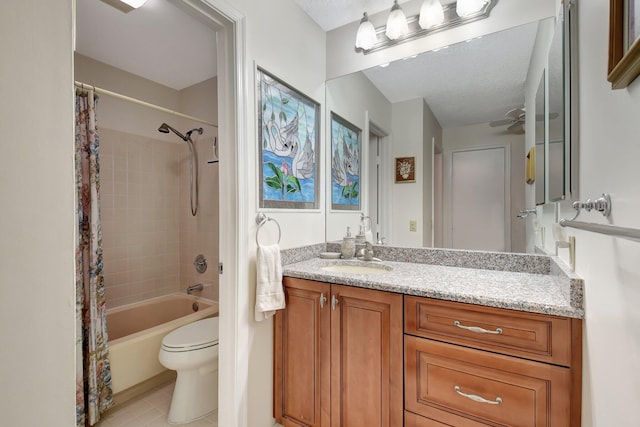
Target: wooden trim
616	25
624	67
576	373
278	388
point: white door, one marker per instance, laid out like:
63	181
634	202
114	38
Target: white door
479	199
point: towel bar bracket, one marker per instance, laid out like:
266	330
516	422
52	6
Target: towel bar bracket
601	204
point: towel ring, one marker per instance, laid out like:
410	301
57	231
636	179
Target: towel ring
262	219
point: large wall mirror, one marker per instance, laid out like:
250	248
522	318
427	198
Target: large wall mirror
458	114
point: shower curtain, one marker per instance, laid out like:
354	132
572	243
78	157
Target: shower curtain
93	374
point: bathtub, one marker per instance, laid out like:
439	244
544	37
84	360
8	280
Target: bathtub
136	332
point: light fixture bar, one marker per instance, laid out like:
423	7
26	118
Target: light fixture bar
451	20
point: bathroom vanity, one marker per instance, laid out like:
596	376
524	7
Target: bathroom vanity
453	338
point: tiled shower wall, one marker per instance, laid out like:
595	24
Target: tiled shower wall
149	237
198	234
140	199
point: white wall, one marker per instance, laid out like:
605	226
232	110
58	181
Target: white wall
609	149
281	38
37	290
354	98
406	201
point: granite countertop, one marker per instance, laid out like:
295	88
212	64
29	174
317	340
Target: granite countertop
532	283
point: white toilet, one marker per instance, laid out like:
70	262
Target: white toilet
192	351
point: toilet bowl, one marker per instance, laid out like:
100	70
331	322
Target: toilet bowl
192	351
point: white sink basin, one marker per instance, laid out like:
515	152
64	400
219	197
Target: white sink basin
357	269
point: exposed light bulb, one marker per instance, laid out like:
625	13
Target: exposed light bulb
396	23
366	36
468	7
431	14
134	3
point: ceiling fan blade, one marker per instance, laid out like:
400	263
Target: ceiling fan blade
516	112
516	128
502	122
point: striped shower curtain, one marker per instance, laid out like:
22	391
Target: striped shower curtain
93	374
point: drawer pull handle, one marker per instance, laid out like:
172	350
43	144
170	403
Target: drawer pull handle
323	300
477	329
477	398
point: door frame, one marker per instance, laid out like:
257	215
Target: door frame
230	26
384	185
448	190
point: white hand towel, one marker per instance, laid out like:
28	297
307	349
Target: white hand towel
269	292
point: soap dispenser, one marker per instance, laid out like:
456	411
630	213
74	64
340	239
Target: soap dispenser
360	237
348	249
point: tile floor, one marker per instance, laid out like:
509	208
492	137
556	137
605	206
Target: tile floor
150	410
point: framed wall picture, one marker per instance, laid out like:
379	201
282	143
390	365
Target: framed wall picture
405	169
345	164
289	137
624	42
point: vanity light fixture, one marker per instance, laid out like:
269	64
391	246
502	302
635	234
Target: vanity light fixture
134	3
396	22
366	36
125	6
468	7
431	14
433	17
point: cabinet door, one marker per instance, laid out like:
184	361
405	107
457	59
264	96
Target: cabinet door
366	358
302	355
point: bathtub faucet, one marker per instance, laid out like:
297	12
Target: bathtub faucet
191	289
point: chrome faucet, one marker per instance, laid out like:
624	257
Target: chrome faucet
193	288
368	252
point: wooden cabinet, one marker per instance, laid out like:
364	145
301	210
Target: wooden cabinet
338	356
468	365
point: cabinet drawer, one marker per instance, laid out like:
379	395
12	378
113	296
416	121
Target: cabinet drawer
529	335
450	420
444	382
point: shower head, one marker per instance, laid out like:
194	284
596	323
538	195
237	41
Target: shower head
165	128
199	130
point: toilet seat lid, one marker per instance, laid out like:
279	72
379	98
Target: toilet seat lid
199	334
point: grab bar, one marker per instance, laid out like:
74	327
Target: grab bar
611	230
262	219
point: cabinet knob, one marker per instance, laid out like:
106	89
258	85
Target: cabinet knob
323	300
334	302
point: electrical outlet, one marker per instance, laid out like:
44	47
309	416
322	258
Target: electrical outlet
413	225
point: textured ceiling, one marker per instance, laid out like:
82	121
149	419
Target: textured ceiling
467	83
157	41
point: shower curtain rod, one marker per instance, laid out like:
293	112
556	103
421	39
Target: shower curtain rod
85	86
